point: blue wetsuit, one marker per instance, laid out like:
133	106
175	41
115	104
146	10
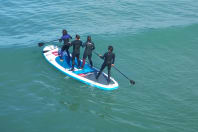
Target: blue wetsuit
66	45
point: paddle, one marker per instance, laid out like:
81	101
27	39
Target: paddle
42	43
131	81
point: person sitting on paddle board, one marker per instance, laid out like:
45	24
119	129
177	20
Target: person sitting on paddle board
109	58
65	38
89	46
76	51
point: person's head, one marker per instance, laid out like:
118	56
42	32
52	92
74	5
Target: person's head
77	36
110	48
88	38
64	32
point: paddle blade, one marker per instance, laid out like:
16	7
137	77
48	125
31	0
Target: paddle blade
40	44
46	51
132	82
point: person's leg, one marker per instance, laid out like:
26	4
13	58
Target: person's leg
109	73
84	58
90	61
68	54
83	64
61	53
73	61
78	60
68	57
101	69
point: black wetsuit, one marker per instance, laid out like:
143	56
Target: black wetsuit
109	59
76	51
89	46
66	45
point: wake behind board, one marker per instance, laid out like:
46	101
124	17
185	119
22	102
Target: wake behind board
86	75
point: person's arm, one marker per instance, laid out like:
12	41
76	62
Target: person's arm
93	46
102	57
70	36
113	60
84	44
72	43
60	40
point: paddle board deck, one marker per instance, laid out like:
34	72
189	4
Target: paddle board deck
86	75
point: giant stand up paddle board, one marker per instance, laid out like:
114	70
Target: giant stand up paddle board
86	75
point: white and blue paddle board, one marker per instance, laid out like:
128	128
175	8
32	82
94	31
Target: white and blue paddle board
86	75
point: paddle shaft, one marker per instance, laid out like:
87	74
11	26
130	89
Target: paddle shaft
51	40
42	43
121	73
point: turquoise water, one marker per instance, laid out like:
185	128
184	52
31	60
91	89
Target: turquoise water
155	43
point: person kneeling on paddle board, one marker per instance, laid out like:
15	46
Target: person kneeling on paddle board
109	58
65	38
89	46
76	51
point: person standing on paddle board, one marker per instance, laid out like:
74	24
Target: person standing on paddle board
89	46
65	38
109	58
76	51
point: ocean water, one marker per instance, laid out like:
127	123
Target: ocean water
155	43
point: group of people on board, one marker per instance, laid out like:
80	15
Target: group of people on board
109	56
